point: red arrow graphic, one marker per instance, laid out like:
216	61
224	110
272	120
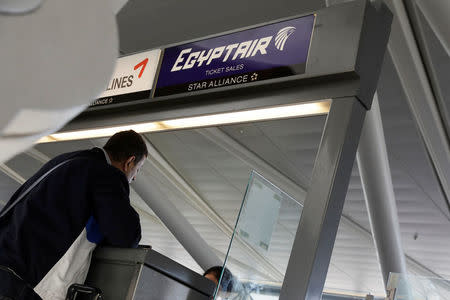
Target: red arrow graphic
142	64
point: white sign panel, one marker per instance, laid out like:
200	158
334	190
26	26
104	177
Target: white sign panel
132	78
259	214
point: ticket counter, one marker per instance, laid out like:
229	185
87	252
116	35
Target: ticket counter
132	274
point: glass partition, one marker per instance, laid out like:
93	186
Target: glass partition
411	287
266	226
215	164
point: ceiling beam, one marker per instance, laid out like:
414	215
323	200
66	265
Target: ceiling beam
405	54
255	162
436	13
149	190
148	215
411	262
378	190
33	153
37	155
12	174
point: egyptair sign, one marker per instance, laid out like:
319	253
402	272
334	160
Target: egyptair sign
132	78
271	51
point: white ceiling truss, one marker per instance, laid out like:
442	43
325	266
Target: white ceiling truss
157	161
12	174
407	59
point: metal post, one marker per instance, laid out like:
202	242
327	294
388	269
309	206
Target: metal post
376	180
316	233
183	231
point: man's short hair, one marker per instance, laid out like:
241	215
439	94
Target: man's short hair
227	283
125	144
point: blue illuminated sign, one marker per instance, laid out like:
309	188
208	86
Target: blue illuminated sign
271	51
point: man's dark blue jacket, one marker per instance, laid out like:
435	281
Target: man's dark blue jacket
84	194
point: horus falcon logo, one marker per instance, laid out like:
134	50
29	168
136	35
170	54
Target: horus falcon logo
282	37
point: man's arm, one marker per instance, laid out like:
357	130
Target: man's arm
118	221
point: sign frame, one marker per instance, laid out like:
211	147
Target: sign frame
133	78
274	50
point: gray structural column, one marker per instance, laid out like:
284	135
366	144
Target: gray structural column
183	231
376	180
316	233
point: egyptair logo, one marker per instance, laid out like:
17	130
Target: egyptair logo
282	37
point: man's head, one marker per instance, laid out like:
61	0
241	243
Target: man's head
127	151
213	274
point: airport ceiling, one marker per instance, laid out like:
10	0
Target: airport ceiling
219	175
147	24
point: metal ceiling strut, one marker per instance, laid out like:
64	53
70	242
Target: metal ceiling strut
172	218
159	163
378	190
403	49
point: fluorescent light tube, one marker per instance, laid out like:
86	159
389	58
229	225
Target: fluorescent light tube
253	115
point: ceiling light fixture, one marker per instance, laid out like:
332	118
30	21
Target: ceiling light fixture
259	114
